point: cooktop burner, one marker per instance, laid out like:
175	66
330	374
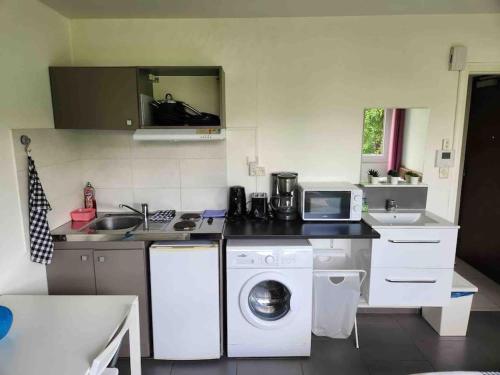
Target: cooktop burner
191	216
185	225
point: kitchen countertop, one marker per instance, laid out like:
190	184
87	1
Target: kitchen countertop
245	228
276	229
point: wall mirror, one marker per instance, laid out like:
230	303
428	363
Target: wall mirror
393	148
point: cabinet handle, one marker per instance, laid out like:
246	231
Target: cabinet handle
414	241
407	281
84	258
101	259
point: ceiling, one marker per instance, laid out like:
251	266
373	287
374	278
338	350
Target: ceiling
263	8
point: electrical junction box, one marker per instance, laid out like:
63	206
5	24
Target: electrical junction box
458	58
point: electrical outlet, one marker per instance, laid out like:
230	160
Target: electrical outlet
443	172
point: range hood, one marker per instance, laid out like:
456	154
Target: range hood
174	135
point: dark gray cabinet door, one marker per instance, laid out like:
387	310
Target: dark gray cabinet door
94	97
71	272
123	272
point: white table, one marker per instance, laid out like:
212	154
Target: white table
61	335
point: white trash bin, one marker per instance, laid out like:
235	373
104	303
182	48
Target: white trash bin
336	294
335	302
453	319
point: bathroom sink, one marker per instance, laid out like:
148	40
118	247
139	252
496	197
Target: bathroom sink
115	222
401	218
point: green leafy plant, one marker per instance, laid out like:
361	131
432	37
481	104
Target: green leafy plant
412	174
373	131
373	173
393	173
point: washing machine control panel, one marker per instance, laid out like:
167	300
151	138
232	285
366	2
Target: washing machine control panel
272	258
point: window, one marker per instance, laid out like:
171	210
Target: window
373	131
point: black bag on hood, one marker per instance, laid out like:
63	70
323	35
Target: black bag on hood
170	112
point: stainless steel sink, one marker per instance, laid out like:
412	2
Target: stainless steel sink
115	222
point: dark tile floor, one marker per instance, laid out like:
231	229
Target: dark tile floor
390	345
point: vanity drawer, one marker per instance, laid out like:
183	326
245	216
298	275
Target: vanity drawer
410	287
427	248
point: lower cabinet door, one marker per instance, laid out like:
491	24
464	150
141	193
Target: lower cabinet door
71	272
123	272
409	287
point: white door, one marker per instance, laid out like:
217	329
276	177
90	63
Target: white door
267	300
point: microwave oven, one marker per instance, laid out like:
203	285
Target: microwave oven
330	201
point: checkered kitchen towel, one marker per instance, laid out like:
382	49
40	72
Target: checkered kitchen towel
40	238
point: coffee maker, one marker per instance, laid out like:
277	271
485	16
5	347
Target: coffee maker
284	195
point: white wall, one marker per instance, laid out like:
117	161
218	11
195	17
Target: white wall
32	37
296	87
415	138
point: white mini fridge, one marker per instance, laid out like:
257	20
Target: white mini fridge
185	299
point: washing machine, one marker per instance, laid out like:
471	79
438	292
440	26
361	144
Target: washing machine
269	298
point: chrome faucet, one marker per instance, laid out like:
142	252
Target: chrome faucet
144	213
390	205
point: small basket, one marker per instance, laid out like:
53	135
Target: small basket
83	214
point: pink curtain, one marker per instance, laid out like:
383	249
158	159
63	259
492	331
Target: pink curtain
396	139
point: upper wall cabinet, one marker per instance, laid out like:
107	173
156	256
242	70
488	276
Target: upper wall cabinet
200	88
95	97
129	98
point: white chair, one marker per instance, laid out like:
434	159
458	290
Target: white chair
101	362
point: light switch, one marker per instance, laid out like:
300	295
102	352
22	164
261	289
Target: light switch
446	144
129	122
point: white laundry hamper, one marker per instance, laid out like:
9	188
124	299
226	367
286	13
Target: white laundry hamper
336	294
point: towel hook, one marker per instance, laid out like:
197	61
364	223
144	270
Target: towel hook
26	141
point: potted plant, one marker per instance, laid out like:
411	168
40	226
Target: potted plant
413	178
393	177
373	176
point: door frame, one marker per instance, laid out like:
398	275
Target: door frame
461	125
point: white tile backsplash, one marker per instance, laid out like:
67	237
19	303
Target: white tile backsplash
159	199
58	178
203	198
178	150
105	144
166	175
110	199
197	173
156	173
108	173
62	205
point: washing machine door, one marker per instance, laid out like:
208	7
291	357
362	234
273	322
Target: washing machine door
267	301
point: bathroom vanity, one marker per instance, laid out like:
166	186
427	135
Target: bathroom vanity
411	264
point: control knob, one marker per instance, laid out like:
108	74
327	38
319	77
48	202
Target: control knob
269	259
